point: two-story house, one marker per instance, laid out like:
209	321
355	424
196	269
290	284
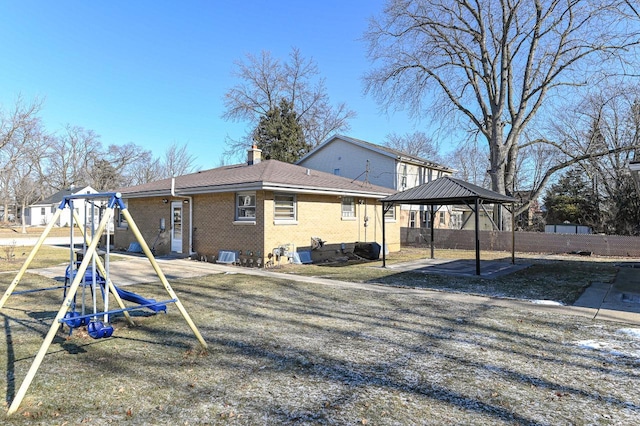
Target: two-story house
379	165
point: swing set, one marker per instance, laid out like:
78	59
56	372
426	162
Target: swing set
91	274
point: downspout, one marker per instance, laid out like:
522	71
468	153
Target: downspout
173	194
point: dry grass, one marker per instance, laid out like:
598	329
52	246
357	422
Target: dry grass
11	261
293	353
561	278
11	231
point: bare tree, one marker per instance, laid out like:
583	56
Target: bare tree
470	163
177	161
499	65
265	81
20	129
606	121
417	144
27	153
149	170
72	155
128	161
14	121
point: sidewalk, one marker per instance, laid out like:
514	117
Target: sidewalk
603	301
617	301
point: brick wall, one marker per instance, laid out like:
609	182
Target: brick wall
146	213
215	227
531	242
321	216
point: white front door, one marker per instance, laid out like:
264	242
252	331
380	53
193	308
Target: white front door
176	226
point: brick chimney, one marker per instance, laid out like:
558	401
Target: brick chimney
254	155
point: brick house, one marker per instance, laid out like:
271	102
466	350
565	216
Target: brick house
255	208
357	159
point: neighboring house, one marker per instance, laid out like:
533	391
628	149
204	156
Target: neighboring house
462	217
41	213
364	161
257	208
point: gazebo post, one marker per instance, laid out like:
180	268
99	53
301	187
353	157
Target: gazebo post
384	240
450	191
513	233
477	237
433	216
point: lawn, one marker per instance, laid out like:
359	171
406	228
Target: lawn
559	278
284	352
12	231
13	257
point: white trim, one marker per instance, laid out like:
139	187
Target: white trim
244	222
284	188
285	222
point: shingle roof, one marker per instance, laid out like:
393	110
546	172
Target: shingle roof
383	150
58	196
447	190
267	174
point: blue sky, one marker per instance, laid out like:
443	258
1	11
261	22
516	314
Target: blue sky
154	73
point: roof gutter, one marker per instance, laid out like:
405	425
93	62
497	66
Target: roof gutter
258	187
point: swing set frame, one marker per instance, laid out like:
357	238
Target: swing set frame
114	199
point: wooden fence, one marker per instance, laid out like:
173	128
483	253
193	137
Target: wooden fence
526	242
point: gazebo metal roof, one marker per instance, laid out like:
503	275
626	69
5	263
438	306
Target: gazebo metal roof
448	191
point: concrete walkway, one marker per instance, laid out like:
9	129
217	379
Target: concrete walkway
619	301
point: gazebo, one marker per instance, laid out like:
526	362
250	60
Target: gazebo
448	191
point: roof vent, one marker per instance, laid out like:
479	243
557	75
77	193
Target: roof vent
254	155
308	172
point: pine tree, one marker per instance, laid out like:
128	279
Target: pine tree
279	134
572	200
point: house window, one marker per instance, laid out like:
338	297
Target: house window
412	219
424	219
443	219
456	220
43	211
348	207
284	207
390	215
246	206
53	209
121	222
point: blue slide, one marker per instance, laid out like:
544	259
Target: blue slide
125	295
136	298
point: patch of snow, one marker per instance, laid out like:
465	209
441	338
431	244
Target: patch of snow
591	344
547	302
631	332
611	348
